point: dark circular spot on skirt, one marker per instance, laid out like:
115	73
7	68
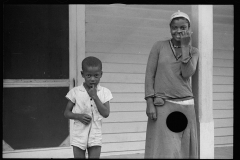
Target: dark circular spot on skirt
177	121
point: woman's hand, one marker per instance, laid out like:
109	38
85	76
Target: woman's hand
151	109
186	38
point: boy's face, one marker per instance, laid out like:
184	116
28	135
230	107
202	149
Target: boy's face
177	27
92	76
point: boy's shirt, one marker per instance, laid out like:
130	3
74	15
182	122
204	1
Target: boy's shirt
85	104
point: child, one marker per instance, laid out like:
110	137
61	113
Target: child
87	105
170	65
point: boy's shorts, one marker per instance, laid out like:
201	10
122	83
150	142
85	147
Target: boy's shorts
85	136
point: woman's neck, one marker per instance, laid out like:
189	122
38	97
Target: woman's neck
176	43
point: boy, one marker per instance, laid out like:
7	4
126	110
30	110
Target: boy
87	105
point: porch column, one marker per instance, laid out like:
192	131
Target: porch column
202	81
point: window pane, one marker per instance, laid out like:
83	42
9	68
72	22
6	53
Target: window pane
34	117
35	42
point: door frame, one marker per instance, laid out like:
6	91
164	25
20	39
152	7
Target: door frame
76	55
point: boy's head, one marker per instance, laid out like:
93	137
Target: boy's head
91	71
91	62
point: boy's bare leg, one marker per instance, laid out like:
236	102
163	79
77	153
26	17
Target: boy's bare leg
78	153
94	152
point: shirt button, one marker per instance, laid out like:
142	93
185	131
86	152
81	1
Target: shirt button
90	98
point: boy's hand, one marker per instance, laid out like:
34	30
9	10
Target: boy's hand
186	38
84	118
92	92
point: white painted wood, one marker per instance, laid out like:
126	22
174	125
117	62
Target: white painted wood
128	97
224	104
124	137
116	147
73	54
126	117
218	123
81	49
223	10
220	80
228	19
172	8
127	21
118	48
223	41
223	91
126	87
207	140
222	96
124	68
124	127
222	71
127	31
223	88
224	131
202	26
222	54
127	12
121	58
125	106
130	38
123	78
72	45
11	83
223	28
223	63
223	113
223	140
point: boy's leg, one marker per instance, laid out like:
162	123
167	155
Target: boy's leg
78	153
94	152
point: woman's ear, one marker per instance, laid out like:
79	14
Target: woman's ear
82	73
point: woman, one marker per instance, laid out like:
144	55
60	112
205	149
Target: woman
170	65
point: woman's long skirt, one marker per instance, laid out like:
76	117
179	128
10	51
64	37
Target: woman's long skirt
161	142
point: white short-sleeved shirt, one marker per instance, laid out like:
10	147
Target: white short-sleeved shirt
84	103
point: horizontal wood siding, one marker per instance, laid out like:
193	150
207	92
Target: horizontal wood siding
122	37
223	74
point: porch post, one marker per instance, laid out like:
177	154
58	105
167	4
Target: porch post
202	81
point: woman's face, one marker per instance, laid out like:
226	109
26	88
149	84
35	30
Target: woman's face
177	26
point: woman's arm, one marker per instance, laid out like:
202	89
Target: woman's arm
151	70
189	61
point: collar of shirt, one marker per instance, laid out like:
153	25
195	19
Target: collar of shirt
177	56
82	88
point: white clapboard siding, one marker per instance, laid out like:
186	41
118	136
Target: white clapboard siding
223	140
124	127
121	58
127	106
121	36
222	54
123	78
223	74
126	137
223	104
220	123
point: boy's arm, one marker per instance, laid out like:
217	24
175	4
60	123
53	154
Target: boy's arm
84	118
103	109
